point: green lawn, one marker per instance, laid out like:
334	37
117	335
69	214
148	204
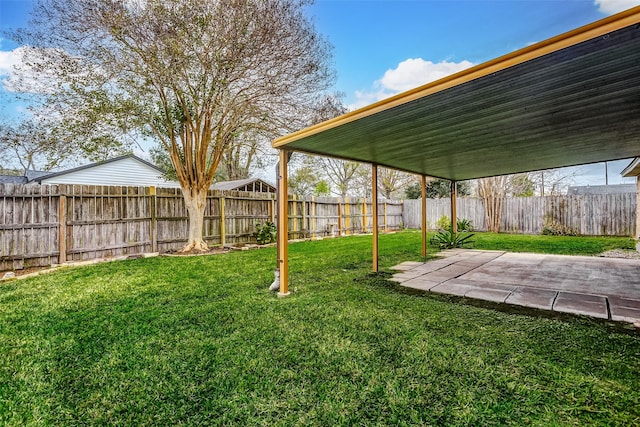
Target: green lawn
200	340
564	245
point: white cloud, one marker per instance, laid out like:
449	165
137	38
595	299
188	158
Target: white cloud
409	74
8	60
416	72
610	7
16	75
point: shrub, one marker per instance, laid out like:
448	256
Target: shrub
464	225
444	223
556	228
266	233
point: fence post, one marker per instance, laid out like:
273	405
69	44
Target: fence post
385	216
304	224
153	227
294	216
62	229
347	216
272	210
223	237
314	221
339	218
364	215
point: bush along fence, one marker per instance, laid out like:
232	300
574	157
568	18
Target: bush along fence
52	224
592	215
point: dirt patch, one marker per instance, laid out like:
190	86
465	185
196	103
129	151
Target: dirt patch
211	251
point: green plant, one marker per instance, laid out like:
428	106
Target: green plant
464	225
444	223
266	233
446	239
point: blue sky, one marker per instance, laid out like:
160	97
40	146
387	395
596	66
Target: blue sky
382	47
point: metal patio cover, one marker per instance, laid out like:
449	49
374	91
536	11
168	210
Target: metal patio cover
570	100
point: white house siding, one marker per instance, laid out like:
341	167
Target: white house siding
126	171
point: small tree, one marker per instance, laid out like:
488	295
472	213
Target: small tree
303	181
391	181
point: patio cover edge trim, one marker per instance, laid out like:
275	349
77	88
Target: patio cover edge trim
571	38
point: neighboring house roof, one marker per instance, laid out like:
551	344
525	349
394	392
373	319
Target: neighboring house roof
33	175
633	169
601	189
249	184
12	179
127	170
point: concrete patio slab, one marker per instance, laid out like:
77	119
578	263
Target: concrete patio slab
487	294
452	289
407	265
586	305
419	283
532	297
624	309
607	288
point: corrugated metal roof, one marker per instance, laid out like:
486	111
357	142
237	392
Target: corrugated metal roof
570	100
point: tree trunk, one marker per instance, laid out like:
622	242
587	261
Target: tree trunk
492	191
195	201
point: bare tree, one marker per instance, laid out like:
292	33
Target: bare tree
246	155
552	182
391	182
340	173
193	74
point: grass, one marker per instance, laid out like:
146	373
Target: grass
201	341
561	245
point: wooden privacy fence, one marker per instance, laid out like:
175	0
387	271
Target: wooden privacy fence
593	215
50	224
323	216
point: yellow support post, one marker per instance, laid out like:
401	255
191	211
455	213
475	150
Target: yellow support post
454	208
374	213
424	215
283	226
